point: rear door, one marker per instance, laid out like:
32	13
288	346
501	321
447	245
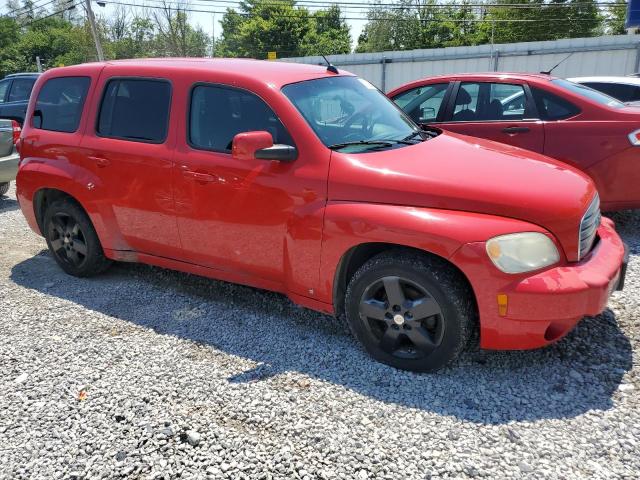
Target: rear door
129	145
499	111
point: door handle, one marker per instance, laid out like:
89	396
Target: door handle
511	130
100	162
198	177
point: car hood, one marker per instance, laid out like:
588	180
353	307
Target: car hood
456	172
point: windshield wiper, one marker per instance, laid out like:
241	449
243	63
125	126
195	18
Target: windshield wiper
375	143
412	135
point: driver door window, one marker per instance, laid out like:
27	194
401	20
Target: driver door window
218	114
422	104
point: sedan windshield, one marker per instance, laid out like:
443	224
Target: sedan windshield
589	93
350	114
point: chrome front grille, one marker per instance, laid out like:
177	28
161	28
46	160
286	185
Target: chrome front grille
589	227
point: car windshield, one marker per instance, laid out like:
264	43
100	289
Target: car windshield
589	93
351	115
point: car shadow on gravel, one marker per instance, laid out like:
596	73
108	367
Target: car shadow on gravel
8	204
578	374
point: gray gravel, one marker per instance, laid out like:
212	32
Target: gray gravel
146	373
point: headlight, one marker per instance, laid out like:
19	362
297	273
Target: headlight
522	252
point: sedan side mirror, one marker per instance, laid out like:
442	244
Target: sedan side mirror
259	145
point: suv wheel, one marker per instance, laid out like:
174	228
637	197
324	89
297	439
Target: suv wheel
72	240
4	188
410	311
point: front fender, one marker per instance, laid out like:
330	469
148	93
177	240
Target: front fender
439	232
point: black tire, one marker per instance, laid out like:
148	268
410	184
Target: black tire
4	188
72	240
431	326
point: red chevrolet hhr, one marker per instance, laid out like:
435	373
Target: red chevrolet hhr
310	182
564	120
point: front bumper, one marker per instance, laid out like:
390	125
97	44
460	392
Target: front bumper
542	307
9	167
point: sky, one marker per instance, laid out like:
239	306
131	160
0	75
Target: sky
207	20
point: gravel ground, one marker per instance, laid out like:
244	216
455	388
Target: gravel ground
147	373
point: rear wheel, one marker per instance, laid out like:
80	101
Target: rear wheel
72	240
4	188
410	311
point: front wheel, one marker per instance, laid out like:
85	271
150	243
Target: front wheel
4	188
410	311
72	240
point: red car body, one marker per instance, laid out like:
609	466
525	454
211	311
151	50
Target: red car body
592	136
303	227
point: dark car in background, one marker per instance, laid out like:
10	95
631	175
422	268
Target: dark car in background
625	89
15	91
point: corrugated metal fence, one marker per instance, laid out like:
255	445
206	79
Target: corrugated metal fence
610	55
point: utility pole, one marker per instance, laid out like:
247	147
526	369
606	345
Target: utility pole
94	31
213	37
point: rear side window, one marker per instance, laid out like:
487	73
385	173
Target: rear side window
218	113
4	86
553	107
59	104
136	110
21	89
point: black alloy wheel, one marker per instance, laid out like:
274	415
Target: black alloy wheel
403	317
72	239
411	310
67	240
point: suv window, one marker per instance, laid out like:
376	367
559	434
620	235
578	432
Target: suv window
4	85
422	104
217	114
553	107
59	104
21	89
620	91
135	109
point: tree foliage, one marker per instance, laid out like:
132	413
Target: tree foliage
615	16
432	24
261	26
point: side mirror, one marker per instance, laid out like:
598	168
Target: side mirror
259	145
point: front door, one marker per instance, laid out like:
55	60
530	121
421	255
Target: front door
250	217
497	111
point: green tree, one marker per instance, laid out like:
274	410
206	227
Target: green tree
329	34
262	26
265	26
175	37
616	14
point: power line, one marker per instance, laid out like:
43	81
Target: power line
26	24
167	6
33	7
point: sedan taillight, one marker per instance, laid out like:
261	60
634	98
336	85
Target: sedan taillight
634	137
16	131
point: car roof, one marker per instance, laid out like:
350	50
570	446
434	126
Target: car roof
272	73
23	74
514	75
605	79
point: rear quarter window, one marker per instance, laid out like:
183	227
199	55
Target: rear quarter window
59	104
553	107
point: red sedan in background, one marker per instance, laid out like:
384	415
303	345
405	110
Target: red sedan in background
564	120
